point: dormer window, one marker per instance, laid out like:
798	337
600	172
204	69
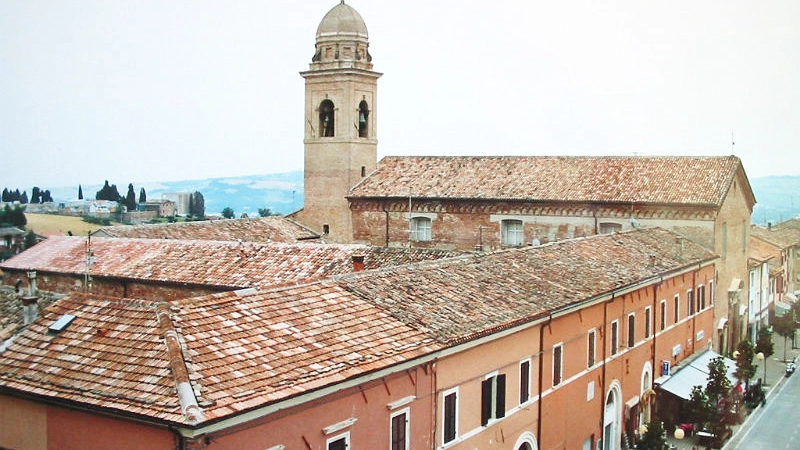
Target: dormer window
363	119
326	118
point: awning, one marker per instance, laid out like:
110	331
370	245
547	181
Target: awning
791	297
696	374
736	285
722	322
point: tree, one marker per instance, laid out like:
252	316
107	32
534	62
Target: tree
130	198
264	212
142	196
24	197
108	192
784	325
47	196
745	369
764	343
36	195
30	239
655	438
718	390
197	205
228	213
80	192
13	216
6	195
698	410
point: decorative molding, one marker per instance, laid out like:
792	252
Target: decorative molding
402	402
339	426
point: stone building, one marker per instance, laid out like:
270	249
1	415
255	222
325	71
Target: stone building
484	203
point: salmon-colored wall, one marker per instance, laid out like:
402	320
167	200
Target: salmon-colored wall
304	425
27	425
572	411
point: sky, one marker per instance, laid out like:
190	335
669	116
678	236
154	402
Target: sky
163	90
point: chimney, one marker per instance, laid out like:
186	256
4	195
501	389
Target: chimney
358	263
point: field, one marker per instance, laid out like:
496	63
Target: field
53	225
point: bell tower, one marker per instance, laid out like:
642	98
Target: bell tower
340	139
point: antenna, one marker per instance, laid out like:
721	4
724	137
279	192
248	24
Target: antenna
732	143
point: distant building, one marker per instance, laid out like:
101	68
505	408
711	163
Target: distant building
12	239
180	199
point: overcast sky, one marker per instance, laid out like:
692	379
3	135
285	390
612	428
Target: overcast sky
162	90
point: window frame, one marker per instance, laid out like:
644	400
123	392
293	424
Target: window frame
493	398
591	348
614	341
524	381
446	418
663	324
676	300
506	232
338	437
631	330
690	302
558	364
701	298
421	225
648	323
406	428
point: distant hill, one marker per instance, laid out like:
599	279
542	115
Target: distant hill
778	197
280	192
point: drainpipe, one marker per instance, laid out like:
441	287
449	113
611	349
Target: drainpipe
696	310
386	242
603	368
541	378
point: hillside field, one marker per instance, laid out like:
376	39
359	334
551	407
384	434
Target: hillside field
53	225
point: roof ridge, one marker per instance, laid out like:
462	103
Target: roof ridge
177	363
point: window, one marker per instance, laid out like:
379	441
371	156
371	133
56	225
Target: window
326	229
558	358
614	337
399	430
701	298
647	330
339	442
631	330
363	119
663	315
608	228
326	118
677	304
420	229
690	302
524	381
511	232
591	348
493	398
450	421
710	293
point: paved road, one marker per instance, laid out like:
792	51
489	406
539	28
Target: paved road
775	426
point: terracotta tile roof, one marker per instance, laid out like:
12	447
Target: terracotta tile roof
783	237
231	265
664	180
240	351
11	310
453	299
262	229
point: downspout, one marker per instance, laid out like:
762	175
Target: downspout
654	352
603	369
386	240
541	378
696	310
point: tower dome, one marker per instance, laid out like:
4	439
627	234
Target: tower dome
342	40
342	20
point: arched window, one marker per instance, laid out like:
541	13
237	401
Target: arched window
363	119
326	118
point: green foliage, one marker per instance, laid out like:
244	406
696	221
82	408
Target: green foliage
130	198
745	369
718	385
266	212
142	196
14	217
764	342
655	438
80	192
97	220
228	213
108	192
30	240
197	205
699	409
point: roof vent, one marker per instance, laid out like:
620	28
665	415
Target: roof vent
62	323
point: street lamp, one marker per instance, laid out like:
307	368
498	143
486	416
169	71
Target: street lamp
760	356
